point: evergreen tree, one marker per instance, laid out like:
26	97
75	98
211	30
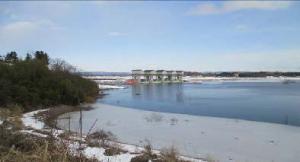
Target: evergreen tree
42	57
28	57
11	57
31	84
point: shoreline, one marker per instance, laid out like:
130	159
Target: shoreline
195	135
35	125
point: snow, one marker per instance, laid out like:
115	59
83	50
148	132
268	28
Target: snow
34	133
101	86
200	79
34	124
98	153
198	136
29	120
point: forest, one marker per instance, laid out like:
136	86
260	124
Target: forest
38	81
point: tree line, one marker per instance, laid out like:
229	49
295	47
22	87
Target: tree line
38	81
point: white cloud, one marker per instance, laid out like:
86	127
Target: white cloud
232	6
20	29
23	32
116	34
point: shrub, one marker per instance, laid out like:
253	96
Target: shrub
16	147
147	155
32	84
170	155
100	138
113	149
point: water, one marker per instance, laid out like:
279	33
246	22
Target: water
257	101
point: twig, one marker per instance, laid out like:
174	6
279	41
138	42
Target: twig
92	127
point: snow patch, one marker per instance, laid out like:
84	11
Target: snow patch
34	133
98	153
29	120
101	86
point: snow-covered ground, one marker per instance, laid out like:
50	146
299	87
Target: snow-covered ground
199	79
32	124
101	86
98	153
196	136
29	120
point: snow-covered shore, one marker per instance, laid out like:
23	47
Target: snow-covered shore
35	126
103	87
200	137
199	79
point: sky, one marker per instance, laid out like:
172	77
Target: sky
171	35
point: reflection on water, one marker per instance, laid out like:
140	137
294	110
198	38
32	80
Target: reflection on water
159	92
258	101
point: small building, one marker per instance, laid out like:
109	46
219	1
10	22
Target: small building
150	75
171	75
161	75
179	75
138	75
156	76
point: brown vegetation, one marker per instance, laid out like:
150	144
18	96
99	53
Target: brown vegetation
166	155
16	147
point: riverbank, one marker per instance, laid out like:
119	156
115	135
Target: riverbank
97	146
197	136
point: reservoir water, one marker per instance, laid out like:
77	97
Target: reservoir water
266	101
211	126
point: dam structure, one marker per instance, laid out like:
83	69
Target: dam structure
157	76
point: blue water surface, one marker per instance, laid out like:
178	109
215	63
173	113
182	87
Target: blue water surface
273	102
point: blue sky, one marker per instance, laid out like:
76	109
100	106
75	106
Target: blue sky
120	36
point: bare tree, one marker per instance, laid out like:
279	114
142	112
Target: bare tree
61	65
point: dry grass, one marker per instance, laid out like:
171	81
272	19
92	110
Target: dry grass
147	154
16	147
100	138
11	116
166	155
169	155
113	149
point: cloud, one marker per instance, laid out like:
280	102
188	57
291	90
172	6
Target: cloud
22	28
116	34
22	32
233	6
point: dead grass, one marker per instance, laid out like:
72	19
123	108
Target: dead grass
114	149
16	147
147	154
11	116
100	138
170	154
166	155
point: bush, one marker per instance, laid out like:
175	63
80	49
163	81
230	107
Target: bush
147	155
113	149
31	83
16	147
170	155
100	138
